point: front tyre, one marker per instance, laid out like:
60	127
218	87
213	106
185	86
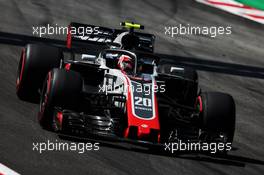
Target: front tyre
35	62
61	89
218	115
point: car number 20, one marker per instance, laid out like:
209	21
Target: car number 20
140	101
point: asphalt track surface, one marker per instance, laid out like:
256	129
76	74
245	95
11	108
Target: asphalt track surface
18	121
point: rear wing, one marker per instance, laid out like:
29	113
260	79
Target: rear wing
81	35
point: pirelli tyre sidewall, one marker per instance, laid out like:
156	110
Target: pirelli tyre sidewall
62	89
35	61
219	114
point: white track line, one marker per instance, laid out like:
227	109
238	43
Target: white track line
4	170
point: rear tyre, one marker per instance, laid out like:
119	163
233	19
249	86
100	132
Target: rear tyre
61	89
219	114
35	62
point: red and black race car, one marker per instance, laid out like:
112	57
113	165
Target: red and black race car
122	90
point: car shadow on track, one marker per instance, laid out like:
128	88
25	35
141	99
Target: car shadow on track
229	159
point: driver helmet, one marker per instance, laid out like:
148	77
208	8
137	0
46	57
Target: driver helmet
125	63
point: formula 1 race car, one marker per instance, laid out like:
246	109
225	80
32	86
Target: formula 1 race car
123	90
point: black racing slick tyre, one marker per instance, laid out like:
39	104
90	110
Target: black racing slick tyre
62	89
35	62
219	114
